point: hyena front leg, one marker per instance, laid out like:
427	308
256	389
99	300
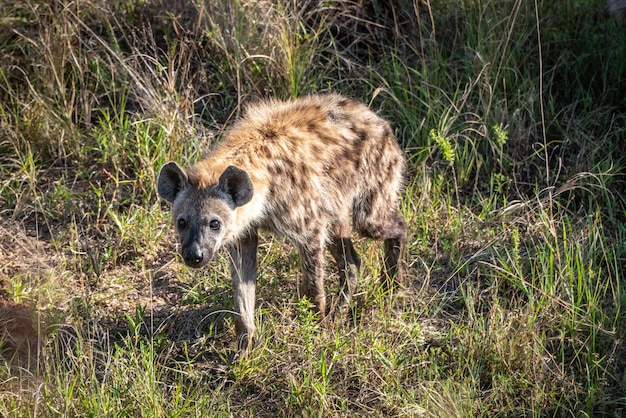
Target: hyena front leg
312	266
348	263
243	257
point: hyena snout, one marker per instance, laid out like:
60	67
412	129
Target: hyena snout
196	256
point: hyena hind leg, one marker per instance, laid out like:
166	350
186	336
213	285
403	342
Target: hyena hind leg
391	229
348	263
394	241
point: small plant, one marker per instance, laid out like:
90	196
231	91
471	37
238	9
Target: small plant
308	321
19	289
445	147
501	135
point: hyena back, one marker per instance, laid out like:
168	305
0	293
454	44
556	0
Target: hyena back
306	169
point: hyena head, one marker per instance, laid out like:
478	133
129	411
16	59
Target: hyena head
203	216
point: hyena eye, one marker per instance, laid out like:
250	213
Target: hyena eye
182	224
214	224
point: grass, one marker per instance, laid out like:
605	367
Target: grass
512	118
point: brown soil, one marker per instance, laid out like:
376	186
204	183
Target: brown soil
21	254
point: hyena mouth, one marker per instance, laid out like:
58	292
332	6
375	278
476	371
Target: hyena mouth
196	264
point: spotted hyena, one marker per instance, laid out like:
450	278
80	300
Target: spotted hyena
305	169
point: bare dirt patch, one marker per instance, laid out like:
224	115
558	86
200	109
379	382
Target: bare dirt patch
21	256
19	339
149	291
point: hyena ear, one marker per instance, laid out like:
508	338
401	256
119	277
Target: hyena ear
172	179
237	184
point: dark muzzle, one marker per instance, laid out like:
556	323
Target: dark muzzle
195	257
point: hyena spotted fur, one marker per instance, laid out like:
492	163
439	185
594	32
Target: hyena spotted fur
306	169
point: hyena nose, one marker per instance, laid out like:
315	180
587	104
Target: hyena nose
193	258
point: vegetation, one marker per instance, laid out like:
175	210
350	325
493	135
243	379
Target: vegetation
513	118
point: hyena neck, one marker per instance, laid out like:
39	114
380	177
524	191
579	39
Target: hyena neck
250	214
